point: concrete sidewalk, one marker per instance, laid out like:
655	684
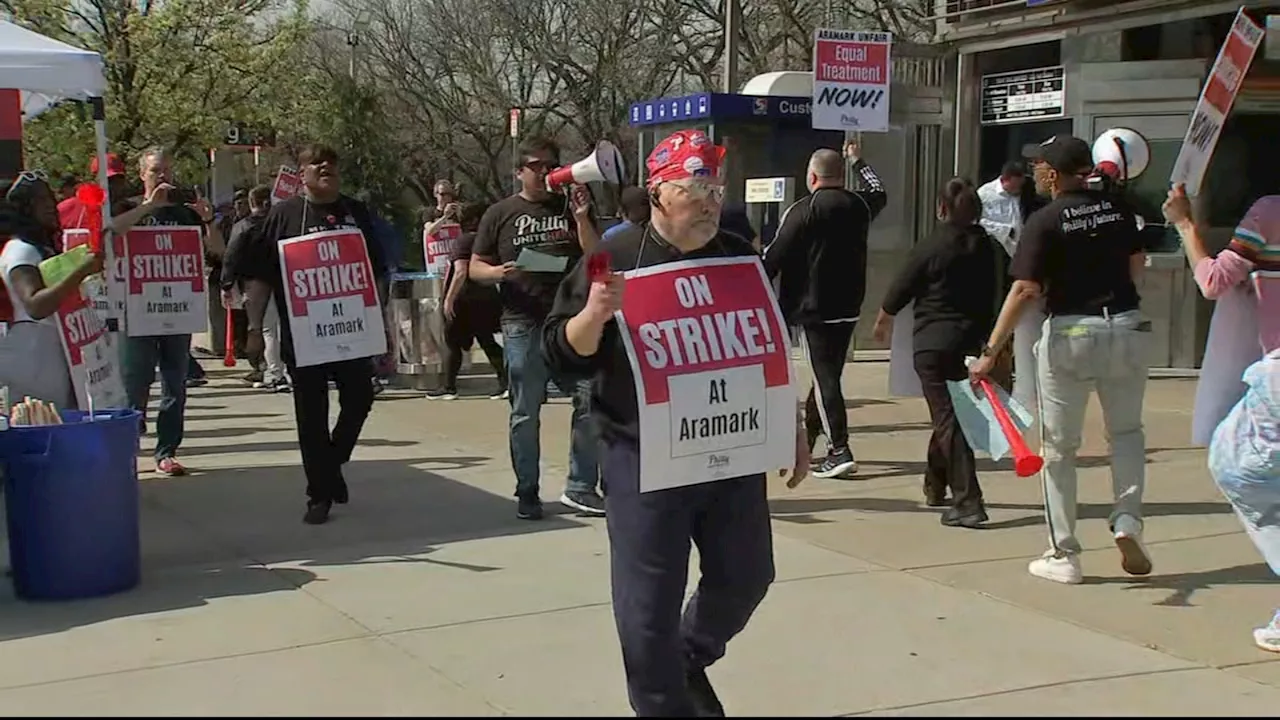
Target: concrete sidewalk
426	596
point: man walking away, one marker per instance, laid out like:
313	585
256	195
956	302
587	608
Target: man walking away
821	253
321	206
1082	253
172	353
635	211
246	233
537	222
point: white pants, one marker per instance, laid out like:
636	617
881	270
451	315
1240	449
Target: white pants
1025	336
271	344
1080	354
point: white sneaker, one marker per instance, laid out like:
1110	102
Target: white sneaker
1060	568
1133	555
1268	638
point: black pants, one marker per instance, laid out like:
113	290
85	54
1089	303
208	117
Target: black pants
951	462
826	347
649	545
323	451
458	335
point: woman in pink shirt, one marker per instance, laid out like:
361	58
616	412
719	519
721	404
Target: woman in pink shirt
1252	255
1241	409
1244	280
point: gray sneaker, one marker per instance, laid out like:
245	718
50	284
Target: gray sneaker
587	503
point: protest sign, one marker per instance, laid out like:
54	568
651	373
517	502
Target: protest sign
166	283
288	183
851	80
1216	99
711	360
107	291
438	247
92	354
331	298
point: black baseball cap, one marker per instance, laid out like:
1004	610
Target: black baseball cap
1063	153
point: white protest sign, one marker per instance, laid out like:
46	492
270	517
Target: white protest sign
439	246
105	292
1216	99
166	281
851	80
288	183
711	359
331	298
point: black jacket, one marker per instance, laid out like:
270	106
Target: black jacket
821	252
613	392
952	277
245	232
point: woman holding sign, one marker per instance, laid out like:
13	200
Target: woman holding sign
31	355
693	391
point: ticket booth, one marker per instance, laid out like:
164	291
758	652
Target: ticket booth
766	137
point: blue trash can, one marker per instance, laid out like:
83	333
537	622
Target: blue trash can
71	496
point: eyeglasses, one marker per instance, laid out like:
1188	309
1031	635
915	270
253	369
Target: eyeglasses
26	176
700	190
537	165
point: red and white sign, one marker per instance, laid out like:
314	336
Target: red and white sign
438	247
166	281
712	365
288	184
851	80
93	357
105	292
1216	99
332	299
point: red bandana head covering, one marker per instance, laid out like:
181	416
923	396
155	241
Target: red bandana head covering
682	155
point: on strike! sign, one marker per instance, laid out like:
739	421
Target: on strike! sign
288	184
333	306
107	296
166	281
712	365
1216	99
92	355
438	246
851	80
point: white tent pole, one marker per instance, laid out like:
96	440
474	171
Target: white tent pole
108	245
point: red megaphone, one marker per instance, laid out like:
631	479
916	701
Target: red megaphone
91	197
229	356
1025	462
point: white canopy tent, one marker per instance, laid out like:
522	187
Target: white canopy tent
46	71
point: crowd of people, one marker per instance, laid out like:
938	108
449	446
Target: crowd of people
1071	309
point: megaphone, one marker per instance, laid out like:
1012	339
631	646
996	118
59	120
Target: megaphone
1122	154
604	164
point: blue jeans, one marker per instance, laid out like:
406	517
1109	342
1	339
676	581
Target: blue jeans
528	376
140	356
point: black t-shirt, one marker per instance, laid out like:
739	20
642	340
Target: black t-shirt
260	257
511	225
1078	248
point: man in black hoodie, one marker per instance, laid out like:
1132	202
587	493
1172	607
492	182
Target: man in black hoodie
821	253
652	515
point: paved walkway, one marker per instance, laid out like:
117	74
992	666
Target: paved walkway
427	596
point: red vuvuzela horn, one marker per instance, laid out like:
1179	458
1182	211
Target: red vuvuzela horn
229	357
1025	462
91	197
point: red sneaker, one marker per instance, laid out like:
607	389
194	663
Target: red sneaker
171	467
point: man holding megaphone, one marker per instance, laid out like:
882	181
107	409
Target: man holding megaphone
527	243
